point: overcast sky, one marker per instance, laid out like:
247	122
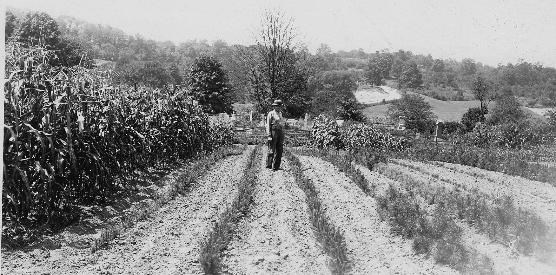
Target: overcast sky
489	31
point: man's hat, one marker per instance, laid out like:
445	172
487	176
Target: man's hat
277	102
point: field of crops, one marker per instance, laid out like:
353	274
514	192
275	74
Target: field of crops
353	200
70	139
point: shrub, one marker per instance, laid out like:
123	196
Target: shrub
362	136
325	133
506	110
472	117
450	128
507	135
349	109
416	111
209	85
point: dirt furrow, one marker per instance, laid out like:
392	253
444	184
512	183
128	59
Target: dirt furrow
173	245
537	196
277	236
168	242
504	260
372	248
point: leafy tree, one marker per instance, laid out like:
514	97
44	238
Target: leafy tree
506	110
294	93
175	74
468	66
128	73
155	74
472	117
38	29
481	92
209	85
373	74
339	81
379	67
411	76
349	109
399	58
71	53
438	66
551	115
416	111
11	24
324	50
151	74
397	66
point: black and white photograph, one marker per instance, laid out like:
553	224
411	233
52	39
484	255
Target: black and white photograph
278	137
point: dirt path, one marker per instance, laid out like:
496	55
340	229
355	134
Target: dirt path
277	237
167	243
371	247
505	261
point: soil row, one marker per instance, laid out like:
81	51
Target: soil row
167	243
371	246
277	236
504	258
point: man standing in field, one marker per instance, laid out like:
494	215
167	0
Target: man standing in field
275	125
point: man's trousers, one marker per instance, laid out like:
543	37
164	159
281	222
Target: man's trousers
275	148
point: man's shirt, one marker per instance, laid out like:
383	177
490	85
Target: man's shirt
274	118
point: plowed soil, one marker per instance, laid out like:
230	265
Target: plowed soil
277	237
505	260
371	247
168	243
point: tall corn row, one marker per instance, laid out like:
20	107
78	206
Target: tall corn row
67	137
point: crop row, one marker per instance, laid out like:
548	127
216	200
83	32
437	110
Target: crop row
68	136
221	234
499	218
436	234
524	163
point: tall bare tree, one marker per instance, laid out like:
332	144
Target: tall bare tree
276	48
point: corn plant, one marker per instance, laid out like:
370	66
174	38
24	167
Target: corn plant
68	135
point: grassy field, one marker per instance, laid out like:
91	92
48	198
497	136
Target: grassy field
444	110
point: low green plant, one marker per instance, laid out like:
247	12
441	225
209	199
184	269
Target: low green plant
193	172
435	234
515	162
330	237
499	218
221	234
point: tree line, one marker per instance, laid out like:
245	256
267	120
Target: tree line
275	66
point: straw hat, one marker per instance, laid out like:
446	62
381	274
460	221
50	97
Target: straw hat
277	102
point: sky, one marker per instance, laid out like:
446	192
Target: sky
488	31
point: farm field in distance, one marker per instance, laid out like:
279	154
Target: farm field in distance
444	110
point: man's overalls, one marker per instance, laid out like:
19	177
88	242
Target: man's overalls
276	145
